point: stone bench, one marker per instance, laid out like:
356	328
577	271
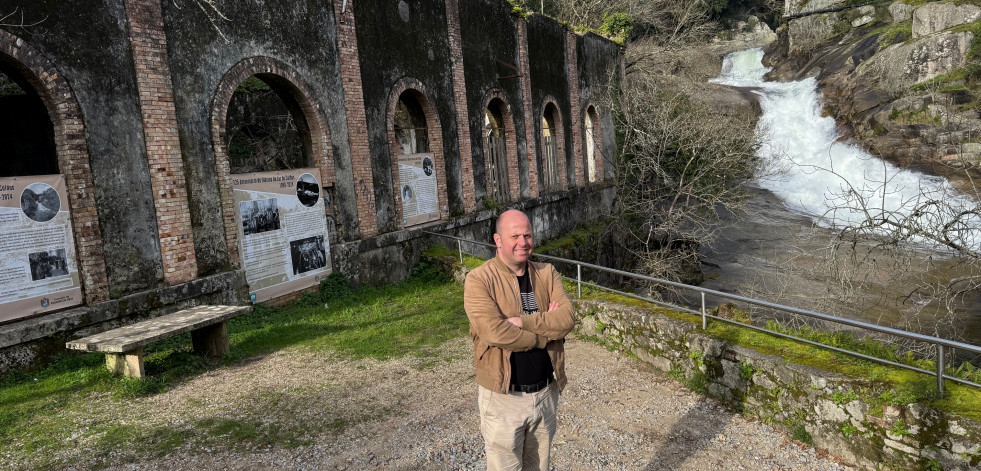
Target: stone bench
124	346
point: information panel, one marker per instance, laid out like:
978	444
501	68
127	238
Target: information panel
38	271
282	231
420	199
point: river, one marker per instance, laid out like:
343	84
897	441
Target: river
777	249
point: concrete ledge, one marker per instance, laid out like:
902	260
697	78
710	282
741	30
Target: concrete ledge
33	341
49	324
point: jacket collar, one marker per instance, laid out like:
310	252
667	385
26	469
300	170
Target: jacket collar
500	265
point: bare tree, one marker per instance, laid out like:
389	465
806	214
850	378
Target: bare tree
680	167
913	253
17	18
211	11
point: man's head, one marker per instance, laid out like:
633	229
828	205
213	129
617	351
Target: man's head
513	239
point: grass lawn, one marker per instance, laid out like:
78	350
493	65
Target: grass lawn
44	412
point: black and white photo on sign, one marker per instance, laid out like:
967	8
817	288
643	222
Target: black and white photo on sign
308	254
406	193
48	264
427	166
259	216
307	190
40	202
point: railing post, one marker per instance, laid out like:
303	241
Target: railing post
940	368
579	280
459	248
704	314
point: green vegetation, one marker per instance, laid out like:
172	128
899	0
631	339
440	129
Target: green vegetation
584	235
899	428
490	204
49	410
840	27
894	386
893	34
848	429
843	397
746	371
617	26
252	84
8	87
914	117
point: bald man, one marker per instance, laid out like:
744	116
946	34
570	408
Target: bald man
518	347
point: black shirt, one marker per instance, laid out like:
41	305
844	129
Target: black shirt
533	366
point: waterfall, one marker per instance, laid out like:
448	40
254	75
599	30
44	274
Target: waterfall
817	172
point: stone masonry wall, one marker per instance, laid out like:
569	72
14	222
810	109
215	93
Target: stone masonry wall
770	388
138	93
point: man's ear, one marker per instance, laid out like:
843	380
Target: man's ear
497	239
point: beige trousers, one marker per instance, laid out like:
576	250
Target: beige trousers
518	428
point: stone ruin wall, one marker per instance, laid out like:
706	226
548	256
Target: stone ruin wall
137	92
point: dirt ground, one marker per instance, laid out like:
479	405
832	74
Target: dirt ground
421	413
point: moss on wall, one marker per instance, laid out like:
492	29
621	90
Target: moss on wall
861	419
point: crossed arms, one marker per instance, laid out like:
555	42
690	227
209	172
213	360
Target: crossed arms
522	332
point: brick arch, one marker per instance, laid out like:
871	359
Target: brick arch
558	131
283	79
510	141
73	157
434	132
598	157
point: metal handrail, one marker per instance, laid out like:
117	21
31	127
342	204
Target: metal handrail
940	343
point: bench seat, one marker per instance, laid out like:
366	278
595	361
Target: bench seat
124	346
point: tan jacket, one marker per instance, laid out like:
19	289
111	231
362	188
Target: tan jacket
490	296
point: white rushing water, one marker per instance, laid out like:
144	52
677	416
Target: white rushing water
816	169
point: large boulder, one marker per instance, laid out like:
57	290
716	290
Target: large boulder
866	16
806	33
936	17
901	65
900	12
793	7
750	34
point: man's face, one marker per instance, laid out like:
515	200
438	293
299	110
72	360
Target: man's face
514	241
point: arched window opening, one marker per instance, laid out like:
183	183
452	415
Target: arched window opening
39	266
265	129
26	130
410	125
417	161
593	136
550	166
590	149
495	144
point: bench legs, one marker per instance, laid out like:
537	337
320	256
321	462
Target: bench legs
127	363
211	341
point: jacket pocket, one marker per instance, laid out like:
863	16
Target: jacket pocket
480	349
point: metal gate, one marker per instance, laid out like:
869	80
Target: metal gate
550	171
497	166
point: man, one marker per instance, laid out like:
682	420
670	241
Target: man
519	350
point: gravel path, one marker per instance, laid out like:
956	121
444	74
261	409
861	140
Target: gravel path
413	413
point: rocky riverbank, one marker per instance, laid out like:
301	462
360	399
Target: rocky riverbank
902	80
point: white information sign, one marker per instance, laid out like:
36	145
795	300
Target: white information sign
417	181
38	271
282	231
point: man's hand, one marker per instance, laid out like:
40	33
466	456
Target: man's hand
517	319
